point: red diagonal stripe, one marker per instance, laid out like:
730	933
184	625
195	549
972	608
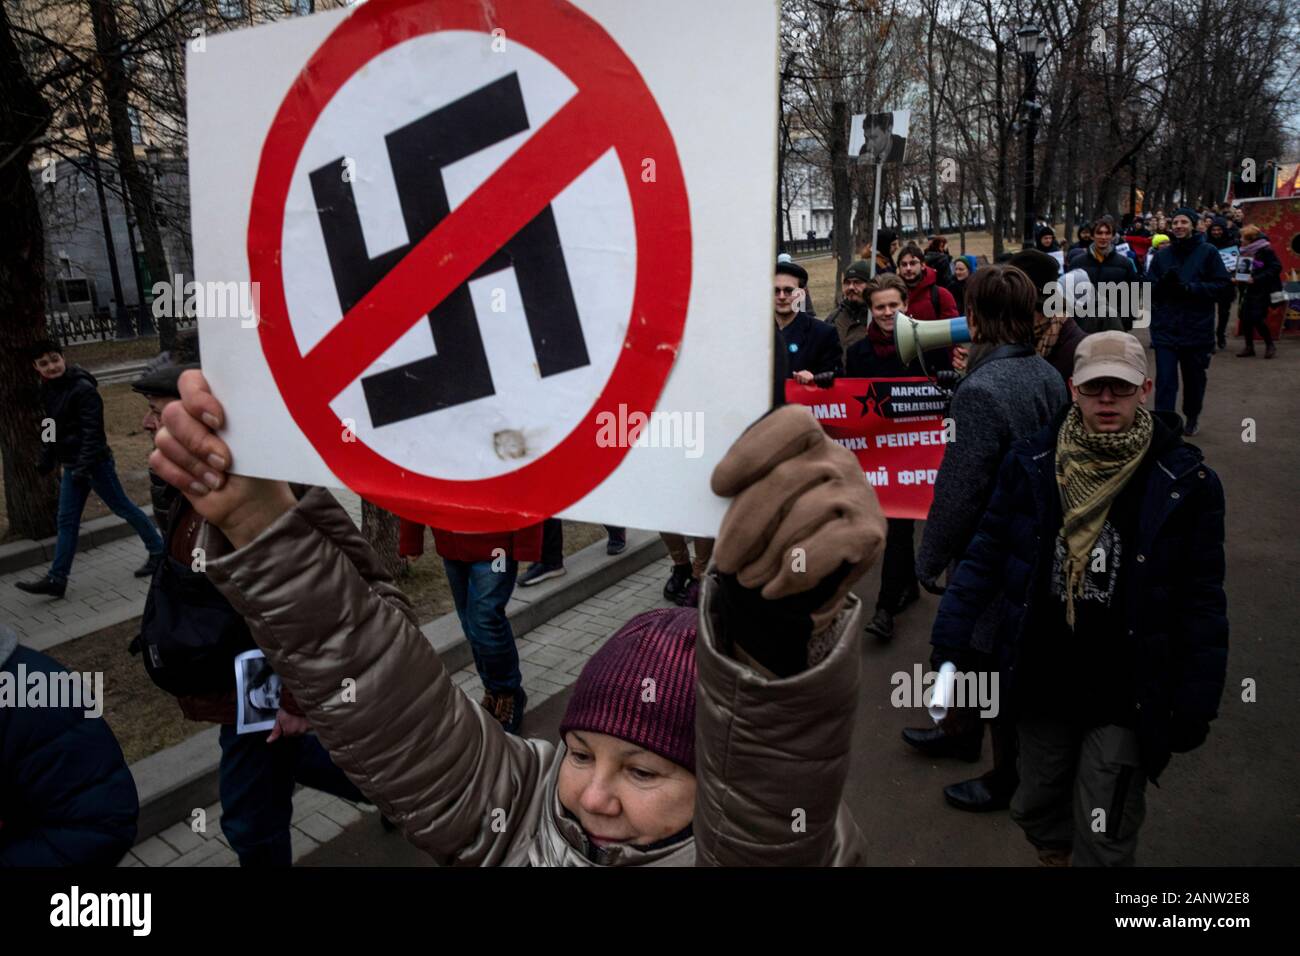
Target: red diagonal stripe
548	161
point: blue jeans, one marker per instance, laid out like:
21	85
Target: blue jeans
100	477
256	786
1193	363
481	595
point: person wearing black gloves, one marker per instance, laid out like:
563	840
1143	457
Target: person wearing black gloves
1103	545
642	776
74	416
812	347
1189	279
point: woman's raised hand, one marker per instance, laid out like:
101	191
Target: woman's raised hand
189	455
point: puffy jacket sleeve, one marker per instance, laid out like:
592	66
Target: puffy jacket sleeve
67	797
772	754
1200	638
344	639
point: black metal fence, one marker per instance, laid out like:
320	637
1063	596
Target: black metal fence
102	326
800	247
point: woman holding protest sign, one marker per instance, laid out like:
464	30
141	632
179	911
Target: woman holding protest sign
642	776
1257	296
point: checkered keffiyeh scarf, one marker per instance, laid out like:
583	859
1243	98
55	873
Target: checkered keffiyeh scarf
1047	329
1091	470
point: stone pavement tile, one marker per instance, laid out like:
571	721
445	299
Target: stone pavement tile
181	838
130	860
154	852
301	843
342	812
306	802
552	656
205	854
319	827
576	640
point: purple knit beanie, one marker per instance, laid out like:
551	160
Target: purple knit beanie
640	686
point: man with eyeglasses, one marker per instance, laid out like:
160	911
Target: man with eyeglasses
811	346
1103	541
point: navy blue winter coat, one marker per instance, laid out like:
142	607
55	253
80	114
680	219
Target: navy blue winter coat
1176	611
66	795
1183	313
811	345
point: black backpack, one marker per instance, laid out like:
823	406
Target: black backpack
190	635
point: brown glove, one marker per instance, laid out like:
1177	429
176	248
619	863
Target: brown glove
802	509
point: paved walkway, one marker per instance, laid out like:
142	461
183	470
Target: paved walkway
551	657
102	591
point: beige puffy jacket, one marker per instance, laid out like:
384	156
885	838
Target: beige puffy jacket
772	755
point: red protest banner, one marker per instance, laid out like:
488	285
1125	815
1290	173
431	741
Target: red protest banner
896	428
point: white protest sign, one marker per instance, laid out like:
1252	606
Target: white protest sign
509	260
1059	256
1229	257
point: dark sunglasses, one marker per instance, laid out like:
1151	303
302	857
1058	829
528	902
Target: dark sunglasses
1117	388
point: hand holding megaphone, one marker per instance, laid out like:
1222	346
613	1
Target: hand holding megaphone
912	337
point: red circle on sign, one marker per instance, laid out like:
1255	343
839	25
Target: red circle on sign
619	112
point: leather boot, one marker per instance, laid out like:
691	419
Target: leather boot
993	790
934	742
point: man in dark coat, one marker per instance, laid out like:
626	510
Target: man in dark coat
1056	336
67	797
258	771
1103	542
811	345
852	316
74	416
1103	264
1188	280
1221	236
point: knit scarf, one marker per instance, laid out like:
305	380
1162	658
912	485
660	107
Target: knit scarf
1091	470
1254	247
1092	248
1047	328
882	342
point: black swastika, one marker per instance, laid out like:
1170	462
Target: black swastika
417	152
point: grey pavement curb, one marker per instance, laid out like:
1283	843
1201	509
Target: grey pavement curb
27	553
174	782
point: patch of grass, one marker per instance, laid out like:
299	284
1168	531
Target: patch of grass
93	355
143	718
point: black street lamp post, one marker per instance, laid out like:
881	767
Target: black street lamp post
1032	45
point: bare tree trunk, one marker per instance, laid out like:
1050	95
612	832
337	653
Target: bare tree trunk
841	191
380	528
112	74
30	500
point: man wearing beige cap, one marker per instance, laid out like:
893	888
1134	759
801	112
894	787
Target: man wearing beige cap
1103	542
